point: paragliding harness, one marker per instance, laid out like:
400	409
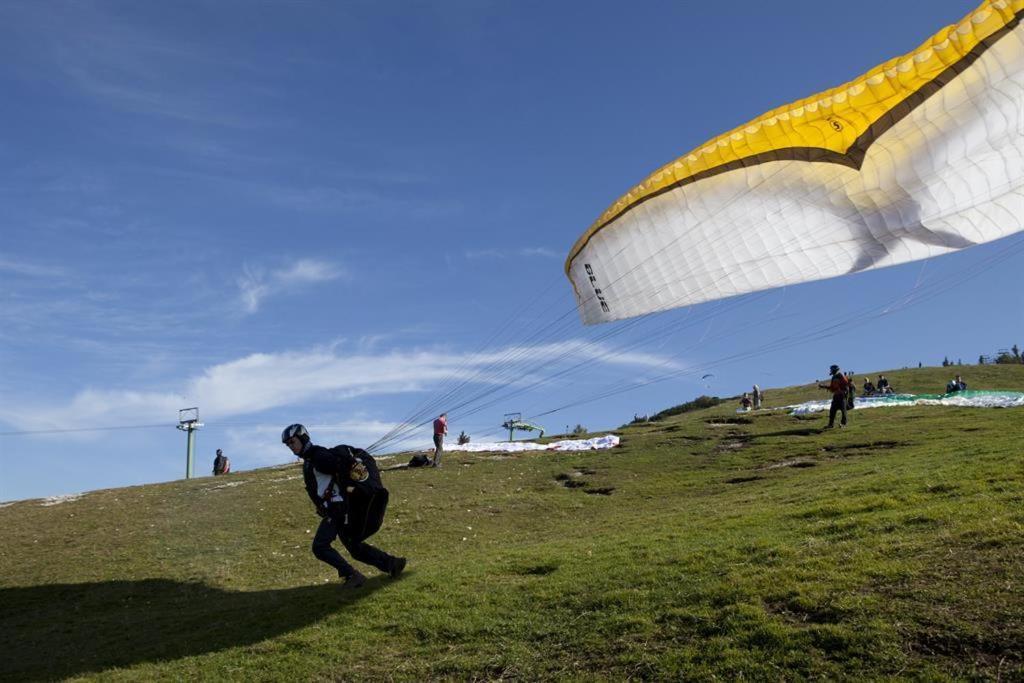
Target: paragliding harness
419	460
357	476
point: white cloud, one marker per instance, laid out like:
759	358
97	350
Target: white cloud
255	284
308	270
252	288
260	446
324	375
539	251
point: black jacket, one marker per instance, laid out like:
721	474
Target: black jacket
327	463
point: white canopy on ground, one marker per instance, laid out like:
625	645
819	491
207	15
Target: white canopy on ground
598	443
964	399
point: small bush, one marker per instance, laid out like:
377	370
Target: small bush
698	403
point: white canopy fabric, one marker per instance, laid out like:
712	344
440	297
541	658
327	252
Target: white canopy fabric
920	156
963	399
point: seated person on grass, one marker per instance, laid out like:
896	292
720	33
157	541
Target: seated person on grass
956	384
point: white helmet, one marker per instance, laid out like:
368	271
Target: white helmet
295	430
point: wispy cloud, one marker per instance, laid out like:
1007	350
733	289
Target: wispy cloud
28	269
539	251
323	375
255	284
130	64
259	446
521	252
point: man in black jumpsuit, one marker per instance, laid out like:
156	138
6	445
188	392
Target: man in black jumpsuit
328	498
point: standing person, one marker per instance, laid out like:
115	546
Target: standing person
758	397
851	390
221	464
440	429
334	496
839	394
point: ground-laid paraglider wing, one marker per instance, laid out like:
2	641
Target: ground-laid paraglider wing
920	156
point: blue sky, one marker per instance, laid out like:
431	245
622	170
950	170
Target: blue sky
323	212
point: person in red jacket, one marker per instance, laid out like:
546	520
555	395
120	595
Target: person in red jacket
839	386
440	429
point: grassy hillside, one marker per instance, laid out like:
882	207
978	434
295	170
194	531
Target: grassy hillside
709	545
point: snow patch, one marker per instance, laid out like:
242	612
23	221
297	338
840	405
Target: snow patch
57	500
597	443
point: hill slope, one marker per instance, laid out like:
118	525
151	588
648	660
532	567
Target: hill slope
709	544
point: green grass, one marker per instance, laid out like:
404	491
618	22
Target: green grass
709	545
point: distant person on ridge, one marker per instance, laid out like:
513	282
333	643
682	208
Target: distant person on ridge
839	394
344	485
221	464
440	429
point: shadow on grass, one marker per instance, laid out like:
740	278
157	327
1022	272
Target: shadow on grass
64	630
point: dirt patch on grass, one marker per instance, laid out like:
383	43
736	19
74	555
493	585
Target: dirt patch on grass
969	647
574	480
605	491
727	421
793	462
871	445
730	445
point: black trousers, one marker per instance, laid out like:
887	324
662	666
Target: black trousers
360	550
838	403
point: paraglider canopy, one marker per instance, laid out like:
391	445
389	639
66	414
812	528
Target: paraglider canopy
920	156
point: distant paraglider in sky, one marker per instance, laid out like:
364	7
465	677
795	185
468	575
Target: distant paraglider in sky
918	157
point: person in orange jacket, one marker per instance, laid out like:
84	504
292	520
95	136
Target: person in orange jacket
839	386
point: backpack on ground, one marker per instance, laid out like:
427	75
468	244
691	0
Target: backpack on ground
419	460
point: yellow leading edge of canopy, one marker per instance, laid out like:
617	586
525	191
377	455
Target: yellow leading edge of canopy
811	122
